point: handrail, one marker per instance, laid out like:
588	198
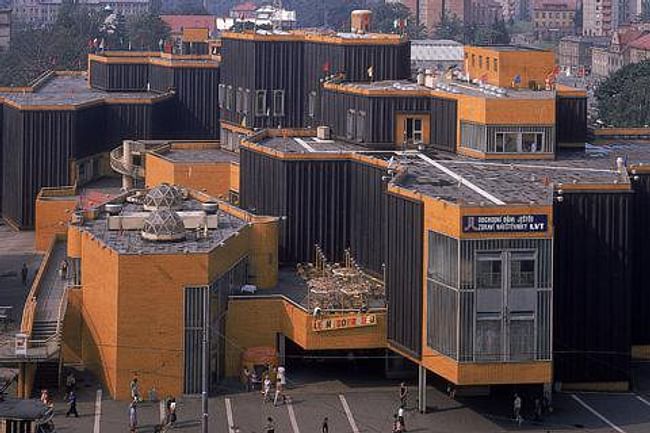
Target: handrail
302	307
32	298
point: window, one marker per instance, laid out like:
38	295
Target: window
489	331
246	100
506	142
222	96
238	100
487	63
473	60
480	61
260	103
278	103
312	104
350	129
229	98
522	270
496	65
522	335
489	271
360	131
531	142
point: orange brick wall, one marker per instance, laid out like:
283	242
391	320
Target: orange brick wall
99	280
256	322
531	65
52	216
215	179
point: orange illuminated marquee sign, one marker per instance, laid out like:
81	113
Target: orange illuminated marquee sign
345	322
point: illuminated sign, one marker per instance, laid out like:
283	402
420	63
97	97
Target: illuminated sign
344	322
505	223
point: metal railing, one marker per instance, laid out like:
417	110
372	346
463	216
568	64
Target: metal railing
118	165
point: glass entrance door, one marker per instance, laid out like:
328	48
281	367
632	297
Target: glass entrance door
505	283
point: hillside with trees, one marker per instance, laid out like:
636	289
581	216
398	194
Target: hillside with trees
623	98
77	31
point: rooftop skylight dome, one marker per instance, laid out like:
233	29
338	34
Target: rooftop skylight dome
163	225
163	196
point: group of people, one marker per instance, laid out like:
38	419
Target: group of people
541	407
168	418
250	378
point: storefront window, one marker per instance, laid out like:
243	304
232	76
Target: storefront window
488	271
489	340
522	270
518	142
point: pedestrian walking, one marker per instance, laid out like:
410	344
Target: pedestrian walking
403	394
451	391
24	272
279	391
63	269
325	427
72	405
400	417
133	416
270	425
172	411
247	379
516	408
538	409
396	425
282	376
45	396
135	389
266	388
70	383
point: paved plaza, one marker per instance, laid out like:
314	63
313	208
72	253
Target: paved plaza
366	409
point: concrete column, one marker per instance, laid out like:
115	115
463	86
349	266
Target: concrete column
282	349
422	389
127	160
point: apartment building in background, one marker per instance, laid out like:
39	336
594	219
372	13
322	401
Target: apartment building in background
5	26
471	12
554	18
44	12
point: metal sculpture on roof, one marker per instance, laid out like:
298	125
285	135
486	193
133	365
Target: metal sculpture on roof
163	196
163	225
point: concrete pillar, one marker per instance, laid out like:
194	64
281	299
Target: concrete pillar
282	349
422	389
127	161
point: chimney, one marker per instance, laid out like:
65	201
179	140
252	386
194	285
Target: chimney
361	21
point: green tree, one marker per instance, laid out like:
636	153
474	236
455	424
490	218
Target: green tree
623	98
451	27
145	32
385	14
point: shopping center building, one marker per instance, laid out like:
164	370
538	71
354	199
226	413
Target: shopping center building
302	190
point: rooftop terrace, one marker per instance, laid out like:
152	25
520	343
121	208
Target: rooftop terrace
69	91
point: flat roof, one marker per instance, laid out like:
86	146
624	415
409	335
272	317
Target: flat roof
462	180
451	87
71	91
130	242
309	145
509	48
198	155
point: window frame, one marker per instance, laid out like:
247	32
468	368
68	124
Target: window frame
280	94
260	109
350	124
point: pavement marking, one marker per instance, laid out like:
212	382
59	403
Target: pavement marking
642	400
292	416
348	413
98	411
231	423
597	414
